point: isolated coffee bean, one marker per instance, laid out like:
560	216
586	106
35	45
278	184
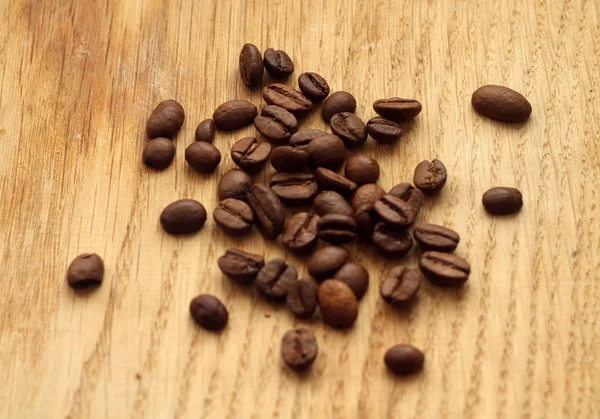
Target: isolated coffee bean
234	114
299	348
430	176
183	217
502	201
327	151
313	86
234	184
326	261
404	359
434	237
86	270
395	211
287	98
362	169
349	128
302	138
330	202
501	103
206	131
240	266
274	279
400	285
158	153
337	303
355	276
337	228
329	180
289	159
300	232
165	120
277	63
338	102
366	196
203	157
251	65
270	216
250	155
383	130
294	187
301	298
276	124
393	242
209	312
234	216
397	109
444	269
407	193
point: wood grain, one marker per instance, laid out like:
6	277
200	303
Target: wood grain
79	79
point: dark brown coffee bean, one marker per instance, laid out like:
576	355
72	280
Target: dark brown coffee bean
349	128
269	213
397	109
204	157
300	232
234	114
337	303
444	269
165	120
327	151
404	359
329	180
274	279
276	124
86	270
434	237
502	201
394	211
355	276
299	348
430	176
301	298
330	202
249	154
313	86
183	217
287	98
289	159
294	187
251	65
393	242
209	312
278	64
158	153
501	103
326	261
400	285
362	169
338	102
366	196
302	138
234	184
383	130
407	193
234	216
241	266
337	228
365	223
206	131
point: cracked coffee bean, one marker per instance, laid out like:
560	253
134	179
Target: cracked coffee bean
301	298
300	232
337	228
250	155
274	279
407	193
294	187
430	176
276	124
299	348
383	130
395	211
434	237
400	286
313	86
270	215
287	98
329	180
393	242
234	216
444	269
349	128
277	63
289	159
397	109
240	266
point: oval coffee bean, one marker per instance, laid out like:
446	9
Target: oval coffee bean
337	303
183	217
329	180
327	151
209	312
299	348
204	157
430	176
434	237
240	266
330	202
444	269
158	153
383	130
250	155
407	193
165	120
366	196
302	138
234	114
274	279
206	131
400	285
393	242
234	216
397	109
502	201
337	228
276	124
300	232
338	102
313	86
326	261
251	65
269	213
86	270
365	223
404	359
355	276
294	187
394	211
501	103
301	298
362	169
234	184
287	98
289	159
349	128
278	64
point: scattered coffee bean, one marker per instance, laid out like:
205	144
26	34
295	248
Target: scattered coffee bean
274	279
434	237
278	64
300	232
302	138
400	285
299	348
430	176
395	211
294	187
234	184
249	154
337	228
444	269
234	114
366	196
313	86
349	128
330	202
158	153
301	298
209	312
289	159
241	266
397	109
336	103
393	242
337	303
383	130
327	151
355	276
183	217
404	359
234	216
362	169
502	201
276	124
206	131
251	65
287	98
165	120
326	261
365	223
203	157
501	103
86	270
329	180
407	193
269	213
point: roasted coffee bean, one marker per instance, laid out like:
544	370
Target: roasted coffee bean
349	128
365	223
337	228
249	154
299	348
338	102
234	114
276	124
502	201
269	213
393	242
165	120
241	266
362	169
444	269
287	98
329	180
327	151
383	130
251	65
203	157
234	184
337	303
158	153
183	217
302	138
300	232
406	192
397	109
430	176
289	159
86	270
209	312
301	298
501	103
404	359
234	216
395	211
355	276
294	187
366	196
326	261
206	131
278	64
274	279
400	285
330	202
313	86
434	237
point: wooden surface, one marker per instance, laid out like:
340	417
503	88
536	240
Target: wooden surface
80	78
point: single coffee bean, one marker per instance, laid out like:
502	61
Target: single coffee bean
362	169
502	201
337	228
294	187
86	270
299	348
276	124
289	159
165	120
274	279
206	131
234	114
209	312
183	217
365	223
393	242
240	266
400	285
330	202
327	151
404	359
366	196
349	128
394	211
158	153
287	98
250	155
204	157
329	180
234	216
407	193
430	176
234	184
383	130
397	109
434	237
501	103
336	103
278	64
302	138
269	213
326	261
251	65
337	303
300	232
355	276
313	86
301	298
444	269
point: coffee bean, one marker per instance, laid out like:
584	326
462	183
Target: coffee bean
397	109
274	279
289	159
276	124
400	285
404	359
251	65
338	102
444	269
302	138
330	202
326	261
249	154
337	228
313	86
365	223
355	276
234	216
86	270
278	64
183	217
234	184
294	187
366	196
501	103
299	348
337	303
240	266
300	232
209	312
287	98
206	131
434	237
394	211
383	130
158	153
234	114
502	201
349	128
165	120
327	151
301	298
430	176
269	213
393	242
407	193
203	157
329	180
362	169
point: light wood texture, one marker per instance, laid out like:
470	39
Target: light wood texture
78	81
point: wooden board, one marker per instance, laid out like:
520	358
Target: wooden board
78	81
